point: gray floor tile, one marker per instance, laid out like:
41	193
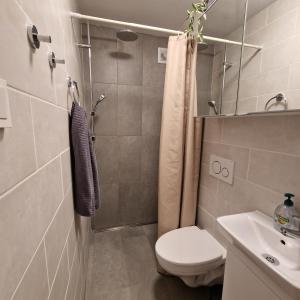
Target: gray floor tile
122	266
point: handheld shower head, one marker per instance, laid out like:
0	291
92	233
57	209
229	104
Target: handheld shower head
99	100
213	105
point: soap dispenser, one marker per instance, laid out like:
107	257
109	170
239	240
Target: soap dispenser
286	216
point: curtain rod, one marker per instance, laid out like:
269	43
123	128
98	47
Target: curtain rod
158	29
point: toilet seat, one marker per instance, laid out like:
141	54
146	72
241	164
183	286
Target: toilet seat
189	251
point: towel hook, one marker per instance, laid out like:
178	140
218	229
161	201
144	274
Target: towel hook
73	86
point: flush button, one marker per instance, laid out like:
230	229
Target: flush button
221	168
225	172
216	167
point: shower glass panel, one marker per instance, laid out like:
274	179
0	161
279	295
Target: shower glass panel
126	122
218	65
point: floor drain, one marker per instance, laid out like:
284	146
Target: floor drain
271	259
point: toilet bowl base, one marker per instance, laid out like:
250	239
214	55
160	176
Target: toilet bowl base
208	279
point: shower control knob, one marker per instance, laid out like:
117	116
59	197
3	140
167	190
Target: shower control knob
53	60
35	38
93	138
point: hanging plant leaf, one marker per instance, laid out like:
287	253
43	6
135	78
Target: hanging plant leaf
196	17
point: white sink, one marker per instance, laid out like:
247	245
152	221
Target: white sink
254	233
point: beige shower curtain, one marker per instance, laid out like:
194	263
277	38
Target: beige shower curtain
180	140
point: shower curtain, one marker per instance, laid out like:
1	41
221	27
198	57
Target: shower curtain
180	140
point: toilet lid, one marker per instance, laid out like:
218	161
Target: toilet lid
189	246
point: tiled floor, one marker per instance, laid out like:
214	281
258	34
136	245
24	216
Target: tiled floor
122	266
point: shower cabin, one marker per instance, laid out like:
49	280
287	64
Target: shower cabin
124	83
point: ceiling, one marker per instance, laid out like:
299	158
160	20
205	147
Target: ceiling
224	17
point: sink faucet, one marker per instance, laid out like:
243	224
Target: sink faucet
289	233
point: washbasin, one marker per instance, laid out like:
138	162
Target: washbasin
254	234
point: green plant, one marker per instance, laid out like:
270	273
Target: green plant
195	19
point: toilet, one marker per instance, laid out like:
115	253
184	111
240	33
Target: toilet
193	255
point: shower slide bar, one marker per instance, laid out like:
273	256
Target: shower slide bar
158	29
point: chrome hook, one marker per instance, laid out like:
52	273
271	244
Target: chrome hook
35	38
53	60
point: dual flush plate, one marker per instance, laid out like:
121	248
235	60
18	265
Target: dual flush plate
221	168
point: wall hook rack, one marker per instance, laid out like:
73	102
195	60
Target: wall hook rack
35	38
53	60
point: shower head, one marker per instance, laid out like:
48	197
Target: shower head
127	35
213	105
202	46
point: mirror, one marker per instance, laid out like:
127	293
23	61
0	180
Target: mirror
270	77
217	65
263	76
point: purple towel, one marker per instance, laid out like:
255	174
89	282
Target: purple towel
84	164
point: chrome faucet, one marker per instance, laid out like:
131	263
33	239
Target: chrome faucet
290	233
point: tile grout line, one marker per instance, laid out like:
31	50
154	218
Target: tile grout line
39	244
252	148
61	175
48	280
18	184
58	265
249	163
33	133
72	262
24	93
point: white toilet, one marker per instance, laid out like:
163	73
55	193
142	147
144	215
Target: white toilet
191	254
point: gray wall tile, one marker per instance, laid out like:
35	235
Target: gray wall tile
66	171
30	66
129	110
34	285
56	236
33	205
109	213
39	98
149	203
213	129
153	72
104	61
108	153
74	275
60	283
130	198
150	159
259	133
266	166
107	111
130	159
130	62
17	154
276	171
152	110
72	246
50	130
